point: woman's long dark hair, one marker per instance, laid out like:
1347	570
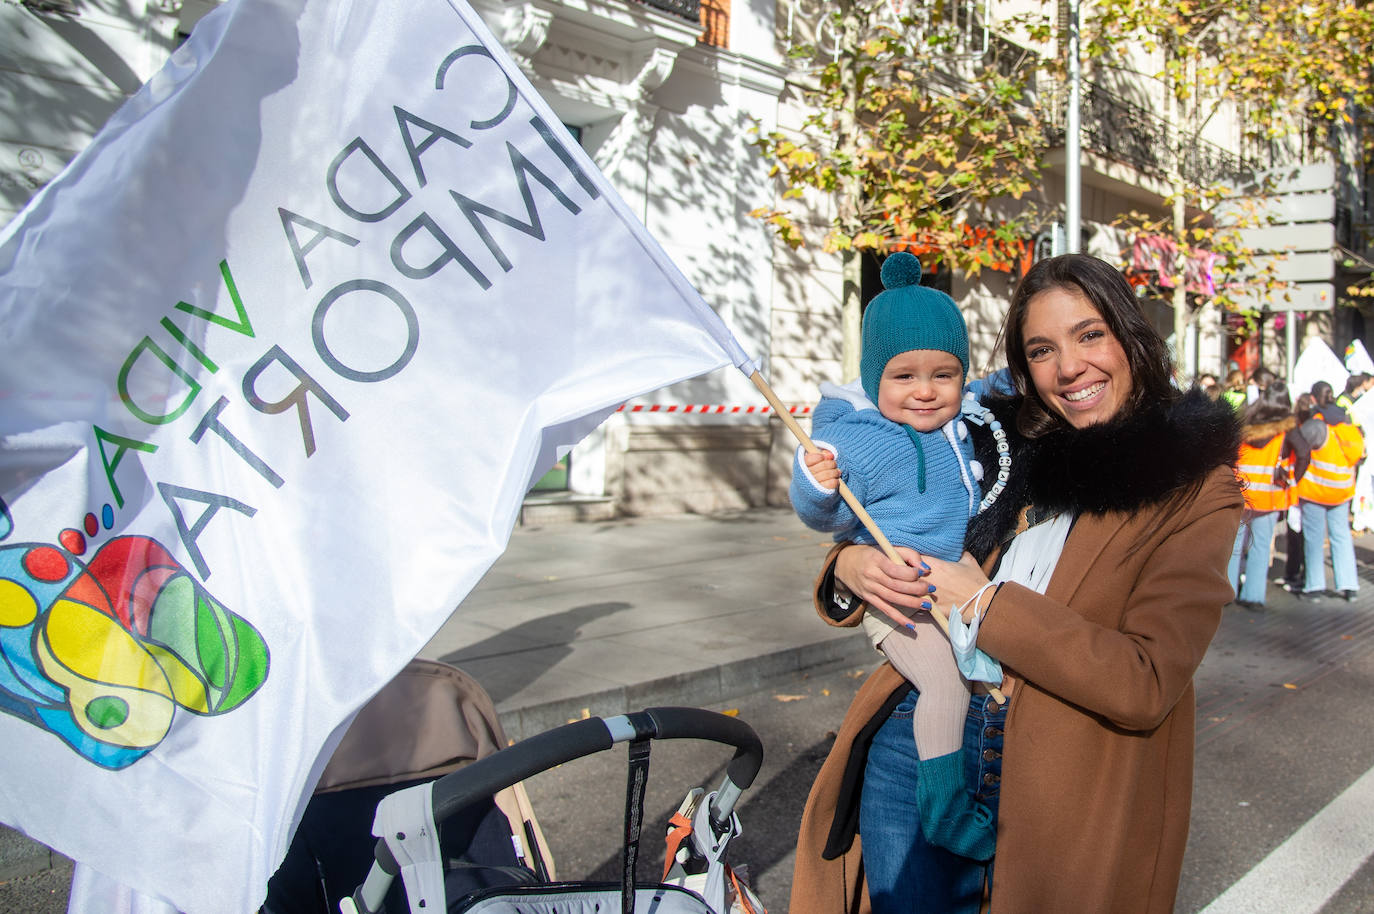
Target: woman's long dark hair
1111	296
1272	405
1322	394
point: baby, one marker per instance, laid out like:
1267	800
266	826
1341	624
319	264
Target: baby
907	458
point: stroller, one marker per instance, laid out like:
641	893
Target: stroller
696	878
430	720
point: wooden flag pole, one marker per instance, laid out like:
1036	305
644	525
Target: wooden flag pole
941	619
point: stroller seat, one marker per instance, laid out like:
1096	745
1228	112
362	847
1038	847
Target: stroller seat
431	720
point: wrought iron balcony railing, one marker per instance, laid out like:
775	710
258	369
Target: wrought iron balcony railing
1131	134
683	9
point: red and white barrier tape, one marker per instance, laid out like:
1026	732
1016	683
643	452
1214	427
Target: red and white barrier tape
714	409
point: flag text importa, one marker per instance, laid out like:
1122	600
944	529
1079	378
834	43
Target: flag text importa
364	189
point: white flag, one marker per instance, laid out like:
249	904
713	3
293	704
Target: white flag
1317	363
1357	358
280	354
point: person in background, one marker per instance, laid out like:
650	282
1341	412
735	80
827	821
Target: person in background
1209	385
1233	391
1324	495
1273	455
1362	506
1323	394
1355	386
1295	568
1260	378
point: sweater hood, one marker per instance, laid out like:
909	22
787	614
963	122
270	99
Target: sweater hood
851	393
1123	465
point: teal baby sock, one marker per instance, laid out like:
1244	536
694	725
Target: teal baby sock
950	818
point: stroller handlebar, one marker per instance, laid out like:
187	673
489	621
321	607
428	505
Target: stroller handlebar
695	723
546	750
509	766
515	763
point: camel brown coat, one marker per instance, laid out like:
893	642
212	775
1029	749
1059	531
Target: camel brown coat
1097	771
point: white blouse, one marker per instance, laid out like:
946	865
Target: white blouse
1034	552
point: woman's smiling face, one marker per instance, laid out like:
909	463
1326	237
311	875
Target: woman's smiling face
1077	365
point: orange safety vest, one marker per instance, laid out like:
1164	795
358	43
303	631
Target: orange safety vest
1255	469
1330	477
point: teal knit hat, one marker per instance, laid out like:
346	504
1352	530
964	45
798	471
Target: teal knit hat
906	316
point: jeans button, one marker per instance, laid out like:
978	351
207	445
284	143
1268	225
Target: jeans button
991	779
991	755
991	732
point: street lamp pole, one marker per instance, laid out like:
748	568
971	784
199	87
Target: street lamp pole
1073	181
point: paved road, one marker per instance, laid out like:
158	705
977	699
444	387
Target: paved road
1283	795
1284	809
1272	761
1283	818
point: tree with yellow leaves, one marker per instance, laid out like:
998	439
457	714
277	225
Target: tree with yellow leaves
1295	72
921	123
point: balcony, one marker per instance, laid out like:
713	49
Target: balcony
1133	135
689	10
965	27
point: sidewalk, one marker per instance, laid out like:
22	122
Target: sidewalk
605	618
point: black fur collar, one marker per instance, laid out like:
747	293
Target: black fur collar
1121	465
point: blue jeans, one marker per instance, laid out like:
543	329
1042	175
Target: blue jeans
1328	522
1254	539
906	874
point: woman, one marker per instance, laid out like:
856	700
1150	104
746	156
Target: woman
1295	566
1324	496
1234	390
1120	510
1362	506
1260	378
1355	386
1273	456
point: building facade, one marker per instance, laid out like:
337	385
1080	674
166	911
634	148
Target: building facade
664	94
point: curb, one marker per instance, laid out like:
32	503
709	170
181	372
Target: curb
707	686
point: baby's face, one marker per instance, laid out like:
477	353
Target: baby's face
921	388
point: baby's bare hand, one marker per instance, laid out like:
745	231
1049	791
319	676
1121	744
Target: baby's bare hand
823	469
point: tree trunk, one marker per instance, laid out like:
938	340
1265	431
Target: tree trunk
1180	301
1176	189
851	312
849	203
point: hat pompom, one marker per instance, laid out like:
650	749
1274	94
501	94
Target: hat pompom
901	269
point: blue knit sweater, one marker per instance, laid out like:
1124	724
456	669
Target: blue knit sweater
877	460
